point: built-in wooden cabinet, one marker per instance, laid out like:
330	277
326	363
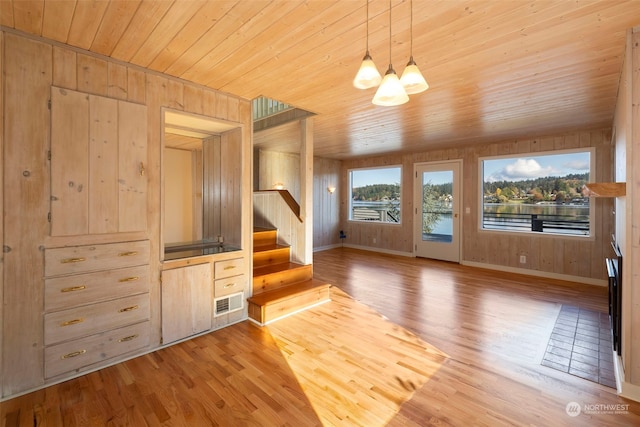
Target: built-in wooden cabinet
82	203
228	268
203	293
96	303
204	224
230	290
96	296
187	301
98	164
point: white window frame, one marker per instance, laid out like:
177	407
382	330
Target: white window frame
592	178
350	195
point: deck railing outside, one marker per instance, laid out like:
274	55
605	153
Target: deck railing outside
381	211
560	224
265	107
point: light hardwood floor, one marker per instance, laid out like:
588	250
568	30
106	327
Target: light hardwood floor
403	342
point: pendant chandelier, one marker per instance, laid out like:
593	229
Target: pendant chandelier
368	75
392	91
412	79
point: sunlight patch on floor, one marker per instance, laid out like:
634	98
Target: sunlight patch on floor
355	376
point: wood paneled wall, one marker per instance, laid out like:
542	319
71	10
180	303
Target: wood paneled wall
326	206
633	213
1	204
580	258
27	88
31	66
627	169
285	167
279	167
231	204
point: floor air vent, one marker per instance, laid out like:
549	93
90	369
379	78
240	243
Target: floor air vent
228	304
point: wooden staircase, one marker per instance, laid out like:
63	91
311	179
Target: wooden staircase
280	287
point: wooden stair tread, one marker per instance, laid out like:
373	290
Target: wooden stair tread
276	268
287	292
269	247
264	237
280	287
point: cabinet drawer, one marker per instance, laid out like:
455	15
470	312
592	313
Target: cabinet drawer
79	289
228	268
91	319
76	354
82	259
229	285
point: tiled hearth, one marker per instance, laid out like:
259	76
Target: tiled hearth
580	345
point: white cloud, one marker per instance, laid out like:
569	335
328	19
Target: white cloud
579	165
522	169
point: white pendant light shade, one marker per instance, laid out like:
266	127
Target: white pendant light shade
390	92
412	79
368	75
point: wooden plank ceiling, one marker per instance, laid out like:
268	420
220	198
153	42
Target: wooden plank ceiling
498	69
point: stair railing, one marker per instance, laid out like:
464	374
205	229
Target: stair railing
278	209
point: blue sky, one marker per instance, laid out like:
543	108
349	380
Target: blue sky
531	167
392	176
376	176
507	169
436	178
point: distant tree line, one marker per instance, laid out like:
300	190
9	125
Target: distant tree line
552	188
376	192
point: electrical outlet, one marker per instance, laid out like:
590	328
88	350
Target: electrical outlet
523	259
374	240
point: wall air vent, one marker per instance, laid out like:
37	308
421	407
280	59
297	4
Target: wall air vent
228	304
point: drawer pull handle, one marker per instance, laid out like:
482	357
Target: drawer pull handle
229	285
132	253
124	310
72	260
73	288
73	354
129	279
129	338
230	267
72	322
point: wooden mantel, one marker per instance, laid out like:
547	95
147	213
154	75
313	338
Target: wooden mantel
604	189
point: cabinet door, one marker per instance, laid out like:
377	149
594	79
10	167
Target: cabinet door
69	162
98	162
187	301
132	162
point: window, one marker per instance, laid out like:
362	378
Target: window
540	193
374	194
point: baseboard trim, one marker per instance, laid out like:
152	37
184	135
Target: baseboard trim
625	389
327	247
380	250
538	273
525	271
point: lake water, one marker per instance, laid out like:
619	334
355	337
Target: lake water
444	226
574	211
